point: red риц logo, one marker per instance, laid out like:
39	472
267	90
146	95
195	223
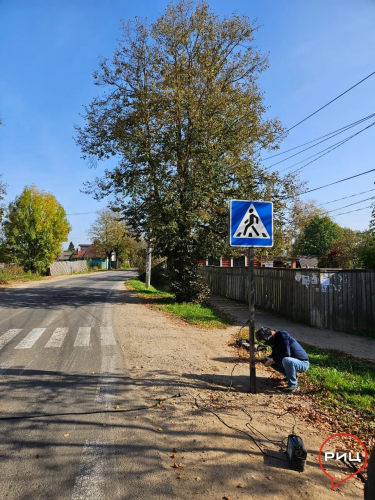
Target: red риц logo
338	455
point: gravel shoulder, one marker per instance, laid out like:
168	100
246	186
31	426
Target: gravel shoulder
187	371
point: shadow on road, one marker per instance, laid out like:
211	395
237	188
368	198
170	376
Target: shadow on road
139	444
70	294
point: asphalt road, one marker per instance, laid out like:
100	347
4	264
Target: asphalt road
61	362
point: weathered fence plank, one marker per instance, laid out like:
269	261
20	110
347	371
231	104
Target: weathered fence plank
67	267
333	299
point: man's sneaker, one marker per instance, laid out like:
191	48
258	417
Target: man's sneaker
291	389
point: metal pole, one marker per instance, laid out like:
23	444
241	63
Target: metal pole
148	266
253	388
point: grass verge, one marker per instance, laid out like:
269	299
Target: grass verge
345	387
17	274
342	389
195	314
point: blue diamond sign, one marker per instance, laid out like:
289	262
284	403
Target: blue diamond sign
250	223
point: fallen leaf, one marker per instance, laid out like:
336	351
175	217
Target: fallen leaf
66	435
196	492
173	403
174	455
240	486
197	478
160	429
270	478
117	407
175	466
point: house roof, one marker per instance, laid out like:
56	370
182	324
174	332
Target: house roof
88	253
66	255
79	255
308	260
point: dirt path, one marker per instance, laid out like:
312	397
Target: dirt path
191	369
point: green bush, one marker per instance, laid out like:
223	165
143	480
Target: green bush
15	272
188	284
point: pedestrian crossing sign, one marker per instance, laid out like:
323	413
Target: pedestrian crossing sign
250	223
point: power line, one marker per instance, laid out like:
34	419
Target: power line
351	196
317	111
350	211
330	149
328	136
326	185
350	205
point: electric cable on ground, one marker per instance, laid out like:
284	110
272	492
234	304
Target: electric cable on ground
92	412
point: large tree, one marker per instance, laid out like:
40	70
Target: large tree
300	215
110	235
184	114
344	251
318	237
35	228
3	252
366	247
2	194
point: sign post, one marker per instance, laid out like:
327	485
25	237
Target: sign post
251	225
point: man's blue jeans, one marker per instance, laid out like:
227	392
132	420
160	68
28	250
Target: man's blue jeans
290	367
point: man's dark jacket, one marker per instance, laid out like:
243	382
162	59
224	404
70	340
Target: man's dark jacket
285	346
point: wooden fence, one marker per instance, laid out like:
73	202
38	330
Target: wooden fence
337	300
67	267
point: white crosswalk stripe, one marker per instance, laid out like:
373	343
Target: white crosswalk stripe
8	336
30	339
57	338
83	337
107	336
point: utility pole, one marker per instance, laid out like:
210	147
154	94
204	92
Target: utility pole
251	294
148	266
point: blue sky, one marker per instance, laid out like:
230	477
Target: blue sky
317	49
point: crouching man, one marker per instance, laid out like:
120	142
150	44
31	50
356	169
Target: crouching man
288	356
